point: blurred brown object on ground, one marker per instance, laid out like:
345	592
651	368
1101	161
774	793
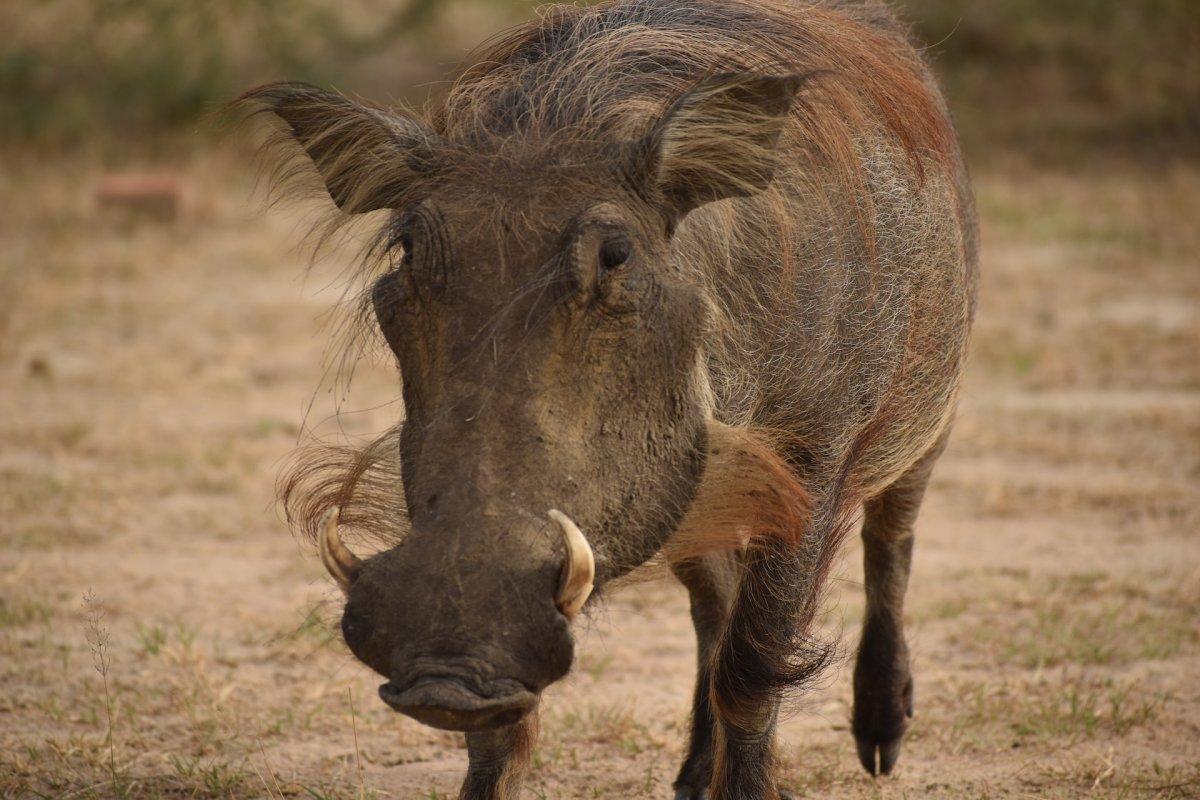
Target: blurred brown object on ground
163	197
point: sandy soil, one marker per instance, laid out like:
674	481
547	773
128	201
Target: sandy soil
154	377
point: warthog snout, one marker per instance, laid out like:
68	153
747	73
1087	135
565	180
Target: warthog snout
467	624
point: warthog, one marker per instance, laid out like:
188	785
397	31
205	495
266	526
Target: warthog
686	282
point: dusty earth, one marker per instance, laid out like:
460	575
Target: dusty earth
162	635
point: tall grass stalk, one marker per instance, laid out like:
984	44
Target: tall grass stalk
362	786
97	638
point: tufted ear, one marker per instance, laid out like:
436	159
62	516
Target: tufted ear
718	140
365	156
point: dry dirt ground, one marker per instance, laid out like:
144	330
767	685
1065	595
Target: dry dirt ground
162	635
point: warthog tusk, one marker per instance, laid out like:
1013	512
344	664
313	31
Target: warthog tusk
343	565
579	570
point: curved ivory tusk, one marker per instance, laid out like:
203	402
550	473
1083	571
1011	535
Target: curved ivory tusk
343	565
579	571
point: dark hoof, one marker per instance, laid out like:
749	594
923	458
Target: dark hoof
866	755
889	754
694	777
883	697
880	726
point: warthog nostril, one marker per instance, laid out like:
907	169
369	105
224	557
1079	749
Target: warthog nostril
389	693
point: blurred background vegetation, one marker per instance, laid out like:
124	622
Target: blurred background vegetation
1056	80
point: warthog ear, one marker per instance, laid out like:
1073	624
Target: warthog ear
365	156
718	140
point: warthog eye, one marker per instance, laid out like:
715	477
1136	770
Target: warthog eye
406	244
615	251
399	244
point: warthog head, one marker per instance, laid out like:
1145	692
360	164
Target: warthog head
557	415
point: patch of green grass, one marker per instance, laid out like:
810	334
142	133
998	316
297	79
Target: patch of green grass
1074	708
152	638
608	724
315	629
269	427
1106	778
1055	218
1087	619
50	534
25	492
214	777
1084	709
15	613
945	609
595	666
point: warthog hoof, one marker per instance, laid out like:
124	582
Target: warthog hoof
883	697
880	724
889	753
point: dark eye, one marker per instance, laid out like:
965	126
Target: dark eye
614	252
400	246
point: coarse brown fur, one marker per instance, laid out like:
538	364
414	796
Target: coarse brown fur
831	261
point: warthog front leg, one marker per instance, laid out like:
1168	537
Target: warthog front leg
711	582
764	652
498	761
883	686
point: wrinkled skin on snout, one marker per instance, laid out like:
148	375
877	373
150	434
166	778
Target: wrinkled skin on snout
474	654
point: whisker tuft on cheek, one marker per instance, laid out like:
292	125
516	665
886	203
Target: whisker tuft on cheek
363	482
